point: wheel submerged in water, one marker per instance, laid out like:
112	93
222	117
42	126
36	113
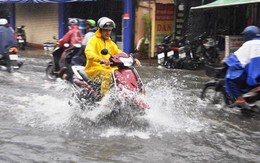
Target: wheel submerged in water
50	73
210	94
214	97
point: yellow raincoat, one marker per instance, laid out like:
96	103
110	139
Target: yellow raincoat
94	69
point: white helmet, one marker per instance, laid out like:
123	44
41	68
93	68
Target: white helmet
106	23
3	21
99	20
73	21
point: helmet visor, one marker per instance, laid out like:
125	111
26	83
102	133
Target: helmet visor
108	25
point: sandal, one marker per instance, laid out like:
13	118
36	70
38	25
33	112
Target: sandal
236	104
256	89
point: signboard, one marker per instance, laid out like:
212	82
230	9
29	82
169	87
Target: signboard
163	21
232	43
126	16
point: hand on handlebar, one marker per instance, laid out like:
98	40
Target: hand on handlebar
137	62
104	61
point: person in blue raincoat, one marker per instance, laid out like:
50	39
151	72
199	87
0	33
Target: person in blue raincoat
244	66
7	41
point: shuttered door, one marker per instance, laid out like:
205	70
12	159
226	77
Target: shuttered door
40	20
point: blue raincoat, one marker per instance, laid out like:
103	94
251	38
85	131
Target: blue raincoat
7	40
243	68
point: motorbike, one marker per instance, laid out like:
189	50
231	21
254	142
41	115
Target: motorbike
11	63
53	70
187	57
214	90
208	50
21	37
165	51
127	86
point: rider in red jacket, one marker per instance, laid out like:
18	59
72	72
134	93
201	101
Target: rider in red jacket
73	36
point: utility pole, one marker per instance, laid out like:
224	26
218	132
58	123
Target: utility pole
149	37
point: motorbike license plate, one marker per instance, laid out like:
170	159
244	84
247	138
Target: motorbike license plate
182	55
170	53
20	41
160	57
13	57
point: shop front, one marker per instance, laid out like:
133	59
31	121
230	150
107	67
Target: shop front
45	19
227	19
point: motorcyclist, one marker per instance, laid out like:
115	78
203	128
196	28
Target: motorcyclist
91	31
7	41
80	57
98	65
73	36
243	66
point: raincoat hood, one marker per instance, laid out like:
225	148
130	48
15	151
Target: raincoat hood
98	33
93	51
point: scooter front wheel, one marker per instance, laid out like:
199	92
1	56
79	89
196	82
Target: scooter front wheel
214	97
50	73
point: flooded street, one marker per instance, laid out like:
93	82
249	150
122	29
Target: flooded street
38	125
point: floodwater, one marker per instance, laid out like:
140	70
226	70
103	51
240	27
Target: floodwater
38	125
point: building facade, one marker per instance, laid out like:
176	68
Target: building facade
44	20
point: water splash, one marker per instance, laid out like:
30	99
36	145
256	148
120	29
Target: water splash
43	112
171	110
47	108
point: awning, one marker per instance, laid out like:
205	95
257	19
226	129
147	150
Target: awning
42	1
224	3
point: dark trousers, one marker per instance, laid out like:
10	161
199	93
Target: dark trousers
80	57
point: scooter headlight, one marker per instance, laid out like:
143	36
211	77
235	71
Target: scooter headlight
127	61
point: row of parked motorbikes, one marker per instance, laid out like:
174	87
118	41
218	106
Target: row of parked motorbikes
127	88
185	53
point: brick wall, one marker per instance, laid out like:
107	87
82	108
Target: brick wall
40	20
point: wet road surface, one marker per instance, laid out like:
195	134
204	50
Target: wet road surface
38	125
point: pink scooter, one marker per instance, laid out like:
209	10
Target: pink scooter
126	83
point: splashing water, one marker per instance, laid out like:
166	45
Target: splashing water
169	111
44	110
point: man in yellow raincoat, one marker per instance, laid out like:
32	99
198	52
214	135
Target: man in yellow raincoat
98	65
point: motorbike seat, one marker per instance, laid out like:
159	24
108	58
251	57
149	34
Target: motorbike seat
84	75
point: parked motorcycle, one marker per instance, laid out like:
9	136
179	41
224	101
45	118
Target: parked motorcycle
192	58
214	90
208	49
163	51
11	63
127	84
54	70
21	37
